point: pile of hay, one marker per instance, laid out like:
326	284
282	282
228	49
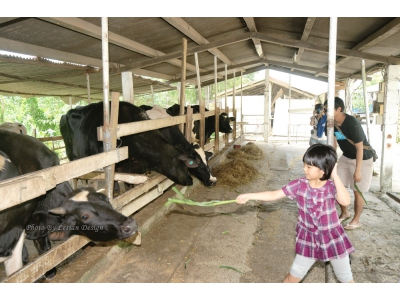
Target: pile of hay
238	170
249	151
235	172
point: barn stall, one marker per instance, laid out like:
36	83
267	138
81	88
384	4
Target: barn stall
251	45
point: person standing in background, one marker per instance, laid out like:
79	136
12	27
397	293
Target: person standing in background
318	122
355	166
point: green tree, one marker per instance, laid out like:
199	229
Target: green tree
36	113
357	97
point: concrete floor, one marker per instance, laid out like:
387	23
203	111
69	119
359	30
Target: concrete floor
240	244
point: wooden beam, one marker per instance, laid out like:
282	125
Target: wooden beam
23	188
29	49
386	31
307	30
193	34
192	50
251	24
313	47
92	30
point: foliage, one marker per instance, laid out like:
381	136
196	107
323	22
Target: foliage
43	113
357	97
167	99
36	113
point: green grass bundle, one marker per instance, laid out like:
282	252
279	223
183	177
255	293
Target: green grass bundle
183	200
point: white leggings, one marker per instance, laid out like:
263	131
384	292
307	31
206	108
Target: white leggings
341	267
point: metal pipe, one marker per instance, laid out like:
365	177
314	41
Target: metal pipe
106	106
331	102
365	96
290	98
331	79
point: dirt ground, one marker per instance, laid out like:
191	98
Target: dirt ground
232	243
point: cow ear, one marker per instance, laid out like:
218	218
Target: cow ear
58	211
208	154
232	118
190	163
195	146
81	196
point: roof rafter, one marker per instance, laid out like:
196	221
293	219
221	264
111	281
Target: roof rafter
87	28
386	31
42	52
325	49
252	27
307	30
190	32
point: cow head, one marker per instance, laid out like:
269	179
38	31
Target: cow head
85	212
224	121
202	171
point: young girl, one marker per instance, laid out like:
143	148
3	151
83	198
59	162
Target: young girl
320	236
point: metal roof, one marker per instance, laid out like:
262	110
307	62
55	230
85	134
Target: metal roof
152	46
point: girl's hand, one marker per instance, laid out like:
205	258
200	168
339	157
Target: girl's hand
334	172
242	199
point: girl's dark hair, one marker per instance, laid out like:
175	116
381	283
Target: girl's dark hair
323	157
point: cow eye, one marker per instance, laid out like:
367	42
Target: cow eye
85	217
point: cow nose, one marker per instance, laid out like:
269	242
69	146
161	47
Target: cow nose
129	226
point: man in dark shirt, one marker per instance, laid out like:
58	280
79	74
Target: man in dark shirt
356	163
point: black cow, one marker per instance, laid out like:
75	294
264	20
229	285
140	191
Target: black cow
13	251
224	120
148	151
24	154
178	140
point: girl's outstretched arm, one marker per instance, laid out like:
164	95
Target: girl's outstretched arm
342	195
263	196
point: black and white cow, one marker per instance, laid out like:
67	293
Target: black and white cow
224	121
148	151
24	154
178	140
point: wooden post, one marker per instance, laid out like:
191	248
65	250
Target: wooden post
207	97
201	103
234	106
216	141
389	127
226	101
106	107
267	106
189	123
183	82
113	135
366	106
88	85
152	94
241	103
127	87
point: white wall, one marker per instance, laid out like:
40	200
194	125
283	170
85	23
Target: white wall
301	111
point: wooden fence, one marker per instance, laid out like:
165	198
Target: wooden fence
29	186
